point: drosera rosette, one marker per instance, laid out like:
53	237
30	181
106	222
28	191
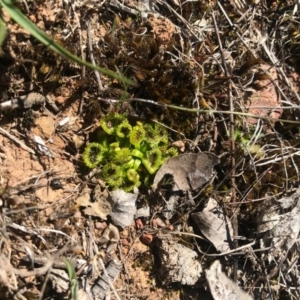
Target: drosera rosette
152	160
124	129
129	154
113	174
93	155
137	135
121	155
111	121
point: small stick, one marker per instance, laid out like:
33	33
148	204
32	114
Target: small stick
233	162
21	144
23	102
83	56
90	44
234	27
204	111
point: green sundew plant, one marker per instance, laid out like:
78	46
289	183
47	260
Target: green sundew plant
129	154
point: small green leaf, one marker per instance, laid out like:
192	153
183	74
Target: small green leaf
73	279
70	269
3	31
74	289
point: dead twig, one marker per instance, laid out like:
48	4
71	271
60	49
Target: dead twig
23	102
232	130
233	251
13	138
82	53
90	47
235	28
204	111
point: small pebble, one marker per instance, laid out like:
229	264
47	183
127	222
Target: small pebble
146	239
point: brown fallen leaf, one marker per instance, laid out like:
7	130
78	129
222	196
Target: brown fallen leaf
190	171
213	225
221	286
119	205
100	208
123	207
265	100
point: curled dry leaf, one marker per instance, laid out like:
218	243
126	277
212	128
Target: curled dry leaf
190	171
119	205
213	225
123	207
221	287
110	235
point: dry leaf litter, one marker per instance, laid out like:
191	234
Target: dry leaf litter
221	220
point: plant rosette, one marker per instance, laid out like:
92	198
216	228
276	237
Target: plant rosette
130	155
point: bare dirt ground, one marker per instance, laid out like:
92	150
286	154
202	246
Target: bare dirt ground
235	57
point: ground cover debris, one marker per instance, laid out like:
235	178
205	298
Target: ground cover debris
220	83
